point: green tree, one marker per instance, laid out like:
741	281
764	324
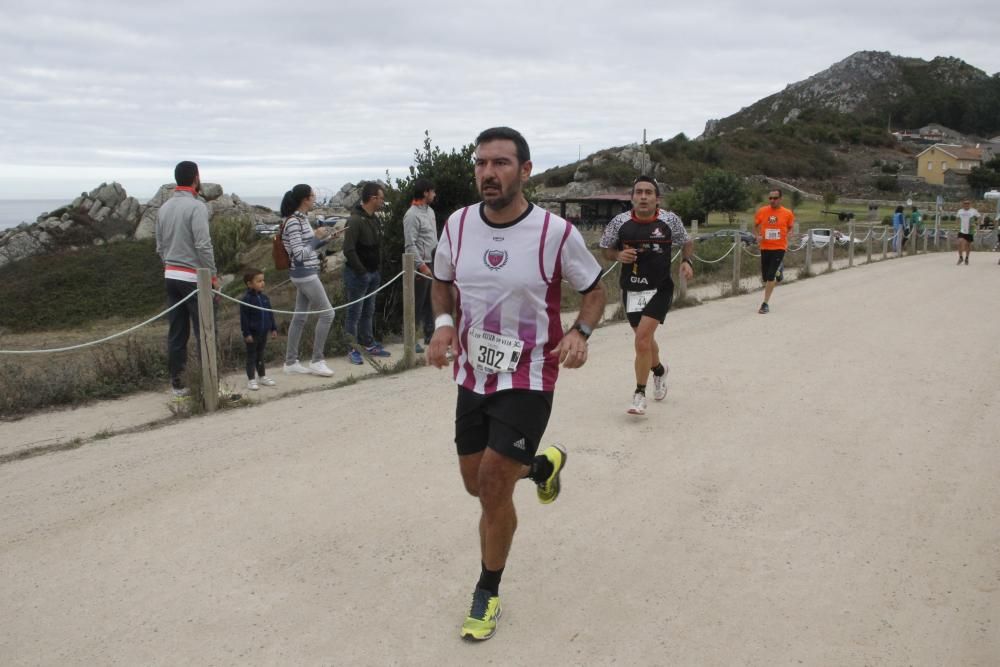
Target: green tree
985	178
455	186
720	190
796	199
829	199
686	204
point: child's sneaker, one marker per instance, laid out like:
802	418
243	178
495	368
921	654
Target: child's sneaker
252	385
267	382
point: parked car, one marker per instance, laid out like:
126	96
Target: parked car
746	237
821	237
266	230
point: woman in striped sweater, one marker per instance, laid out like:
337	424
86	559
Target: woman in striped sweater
302	243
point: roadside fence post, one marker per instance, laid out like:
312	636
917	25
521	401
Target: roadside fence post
869	242
737	252
850	244
885	244
206	341
829	250
809	252
924	234
694	228
409	319
682	283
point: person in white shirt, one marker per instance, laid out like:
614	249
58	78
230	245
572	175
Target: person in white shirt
966	229
503	262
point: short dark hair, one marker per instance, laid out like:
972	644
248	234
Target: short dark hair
421	186
497	133
185	173
250	274
646	179
778	190
370	190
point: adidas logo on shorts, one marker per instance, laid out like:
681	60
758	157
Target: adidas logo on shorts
519	444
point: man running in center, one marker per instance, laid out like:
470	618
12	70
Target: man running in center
641	239
502	262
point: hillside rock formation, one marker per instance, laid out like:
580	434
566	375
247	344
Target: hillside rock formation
107	214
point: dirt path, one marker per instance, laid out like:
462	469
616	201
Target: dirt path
818	488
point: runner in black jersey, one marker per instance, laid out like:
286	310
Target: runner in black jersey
642	240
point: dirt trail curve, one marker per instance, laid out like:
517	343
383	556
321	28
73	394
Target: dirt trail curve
819	488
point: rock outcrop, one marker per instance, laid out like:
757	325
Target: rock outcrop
107	214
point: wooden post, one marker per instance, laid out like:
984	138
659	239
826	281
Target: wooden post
885	244
737	256
409	316
682	283
809	252
694	228
829	250
206	342
924	234
850	244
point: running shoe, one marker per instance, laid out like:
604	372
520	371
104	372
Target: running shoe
267	382
418	348
548	490
481	623
252	385
966	260
660	384
638	406
320	368
295	368
959	259
355	357
376	350
764	309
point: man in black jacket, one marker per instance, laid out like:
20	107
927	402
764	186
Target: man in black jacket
363	250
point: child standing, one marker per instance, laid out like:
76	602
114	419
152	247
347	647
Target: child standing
256	326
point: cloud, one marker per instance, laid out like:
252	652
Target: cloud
124	90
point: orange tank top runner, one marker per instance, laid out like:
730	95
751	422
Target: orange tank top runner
774	225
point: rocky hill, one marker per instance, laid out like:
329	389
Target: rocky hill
882	88
827	133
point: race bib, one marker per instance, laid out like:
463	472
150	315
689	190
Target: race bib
493	353
635	302
772	234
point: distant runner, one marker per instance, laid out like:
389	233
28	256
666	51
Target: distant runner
773	224
966	229
641	239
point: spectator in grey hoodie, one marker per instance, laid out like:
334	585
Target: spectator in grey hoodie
184	244
420	238
301	242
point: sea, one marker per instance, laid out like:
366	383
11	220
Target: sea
15	211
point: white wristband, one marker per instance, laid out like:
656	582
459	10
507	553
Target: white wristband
445	320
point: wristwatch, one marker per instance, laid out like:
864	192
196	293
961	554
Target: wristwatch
584	330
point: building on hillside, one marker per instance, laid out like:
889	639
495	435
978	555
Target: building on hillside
935	163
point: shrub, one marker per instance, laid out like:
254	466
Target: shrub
886	183
231	235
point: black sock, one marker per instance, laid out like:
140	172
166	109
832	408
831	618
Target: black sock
658	370
540	470
490	580
640	389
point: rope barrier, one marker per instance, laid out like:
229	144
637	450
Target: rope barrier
312	312
106	338
716	261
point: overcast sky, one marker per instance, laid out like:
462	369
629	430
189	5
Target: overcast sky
266	95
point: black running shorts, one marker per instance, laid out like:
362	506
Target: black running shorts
770	260
967	237
509	422
657	307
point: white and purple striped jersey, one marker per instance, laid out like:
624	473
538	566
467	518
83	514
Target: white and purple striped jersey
508	279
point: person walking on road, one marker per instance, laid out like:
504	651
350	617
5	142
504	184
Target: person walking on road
967	217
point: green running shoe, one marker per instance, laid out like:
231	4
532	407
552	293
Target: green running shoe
483	616
549	490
